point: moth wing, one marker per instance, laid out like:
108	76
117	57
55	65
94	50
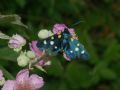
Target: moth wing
76	50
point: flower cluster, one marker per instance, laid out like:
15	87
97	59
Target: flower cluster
32	57
38	55
24	82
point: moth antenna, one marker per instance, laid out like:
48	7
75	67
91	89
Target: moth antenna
76	23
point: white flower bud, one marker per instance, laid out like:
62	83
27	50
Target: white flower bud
2	81
44	33
23	60
17	49
30	54
48	63
50	33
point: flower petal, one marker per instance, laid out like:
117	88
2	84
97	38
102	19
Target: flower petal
66	57
22	75
19	38
41	63
58	27
72	31
34	48
9	85
16	41
44	33
36	81
1	74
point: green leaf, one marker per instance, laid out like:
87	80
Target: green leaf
107	73
101	65
12	20
103	71
112	52
55	69
51	85
7	54
6	73
116	85
63	86
21	2
95	79
91	49
78	75
4	36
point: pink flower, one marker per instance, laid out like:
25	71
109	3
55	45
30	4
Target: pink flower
39	54
72	31
16	41
35	49
1	75
66	57
60	28
44	63
24	82
2	79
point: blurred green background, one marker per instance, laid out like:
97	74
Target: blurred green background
99	31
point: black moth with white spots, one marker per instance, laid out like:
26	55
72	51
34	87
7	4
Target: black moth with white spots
63	42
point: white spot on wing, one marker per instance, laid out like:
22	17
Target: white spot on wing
78	44
82	52
52	37
76	49
51	42
55	47
45	42
71	51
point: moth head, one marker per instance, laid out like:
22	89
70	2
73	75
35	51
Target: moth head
66	33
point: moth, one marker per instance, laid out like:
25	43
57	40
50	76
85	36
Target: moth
63	42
